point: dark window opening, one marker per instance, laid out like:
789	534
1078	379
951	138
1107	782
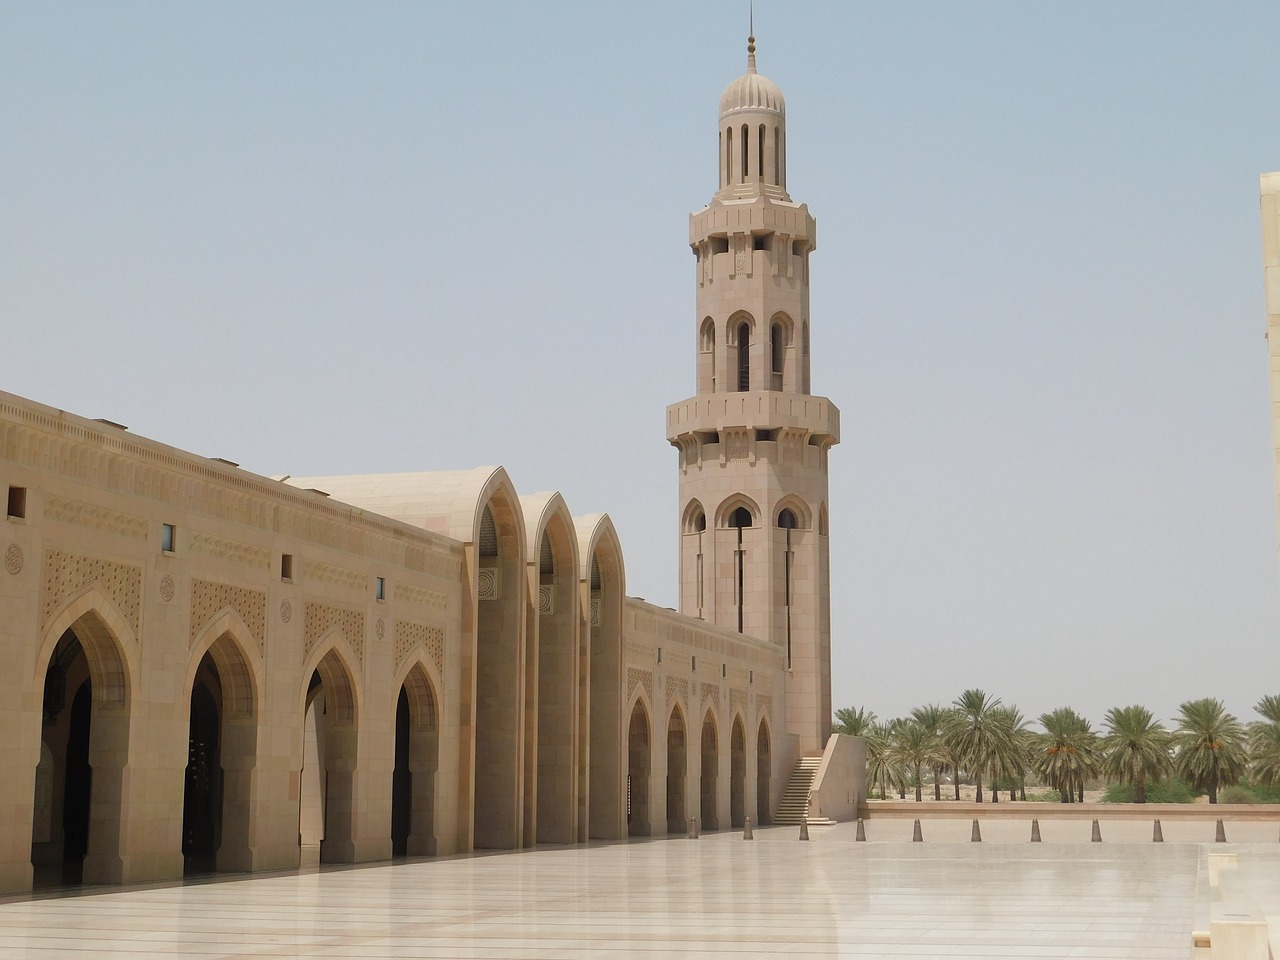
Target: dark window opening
488	534
719	244
167	537
286	566
760	241
746	154
380	588
17	502
744	358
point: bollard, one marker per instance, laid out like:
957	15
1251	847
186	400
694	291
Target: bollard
975	836
1220	835
746	829
1097	832
1035	831
861	836
1157	835
693	828
916	835
804	828
688	829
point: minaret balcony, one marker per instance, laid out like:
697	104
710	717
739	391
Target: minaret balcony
817	417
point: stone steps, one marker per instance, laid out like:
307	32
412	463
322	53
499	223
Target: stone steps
794	805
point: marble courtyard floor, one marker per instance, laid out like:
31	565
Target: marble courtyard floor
719	896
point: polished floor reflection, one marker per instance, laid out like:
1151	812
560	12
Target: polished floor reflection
719	896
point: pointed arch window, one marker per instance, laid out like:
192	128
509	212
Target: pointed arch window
760	154
740	518
787	522
488	545
744	357
746	153
777	354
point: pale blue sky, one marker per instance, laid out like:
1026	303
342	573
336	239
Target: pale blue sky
324	238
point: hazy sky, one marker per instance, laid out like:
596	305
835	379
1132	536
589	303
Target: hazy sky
342	238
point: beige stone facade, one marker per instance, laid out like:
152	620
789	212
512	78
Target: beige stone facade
207	669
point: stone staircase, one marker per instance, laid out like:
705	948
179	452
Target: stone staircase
794	805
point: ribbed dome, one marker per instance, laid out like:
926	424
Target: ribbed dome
752	92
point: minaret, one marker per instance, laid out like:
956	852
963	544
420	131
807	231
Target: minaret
753	441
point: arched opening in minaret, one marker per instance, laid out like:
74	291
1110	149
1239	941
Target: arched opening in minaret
746	154
787	523
777	354
744	357
695	524
740	518
760	154
707	356
777	164
728	155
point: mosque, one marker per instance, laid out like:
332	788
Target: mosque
208	669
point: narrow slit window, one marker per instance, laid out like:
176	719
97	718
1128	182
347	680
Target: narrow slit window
746	154
760	154
286	566
167	537
744	358
379	588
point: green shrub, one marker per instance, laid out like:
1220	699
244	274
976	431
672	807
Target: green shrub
1263	793
1166	791
1048	796
1237	794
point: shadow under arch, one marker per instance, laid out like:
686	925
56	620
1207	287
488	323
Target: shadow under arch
764	771
601	716
709	768
677	769
737	772
551	809
331	706
639	762
223	691
417	758
86	669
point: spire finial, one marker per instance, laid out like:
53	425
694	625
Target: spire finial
751	38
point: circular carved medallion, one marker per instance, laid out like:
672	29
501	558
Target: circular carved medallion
13	559
380	628
166	588
286	610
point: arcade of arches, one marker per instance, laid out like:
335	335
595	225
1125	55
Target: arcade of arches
214	671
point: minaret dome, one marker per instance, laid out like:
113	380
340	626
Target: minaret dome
753	135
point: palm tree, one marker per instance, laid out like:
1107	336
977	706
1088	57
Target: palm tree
912	748
1264	742
1013	754
930	717
974	733
1066	753
1209	746
880	767
1135	748
854	723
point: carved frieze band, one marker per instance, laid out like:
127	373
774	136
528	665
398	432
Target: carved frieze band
639	678
411	636
407	593
66	574
96	518
230	550
327	572
209	598
320	618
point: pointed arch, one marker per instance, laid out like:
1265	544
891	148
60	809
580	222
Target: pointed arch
109	643
228	641
639	761
731	504
737	771
709	770
694	519
822	520
677	768
800	512
417	675
414	787
764	769
332	657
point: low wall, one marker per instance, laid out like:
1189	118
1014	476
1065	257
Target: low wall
840	786
1025	810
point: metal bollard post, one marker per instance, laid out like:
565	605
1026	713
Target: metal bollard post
975	836
1097	832
746	829
1220	834
804	828
916	835
861	835
1035	831
1157	835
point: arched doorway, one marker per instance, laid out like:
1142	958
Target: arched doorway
764	809
737	774
638	772
202	783
709	767
413	780
677	764
602	705
84	741
326	809
557	613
